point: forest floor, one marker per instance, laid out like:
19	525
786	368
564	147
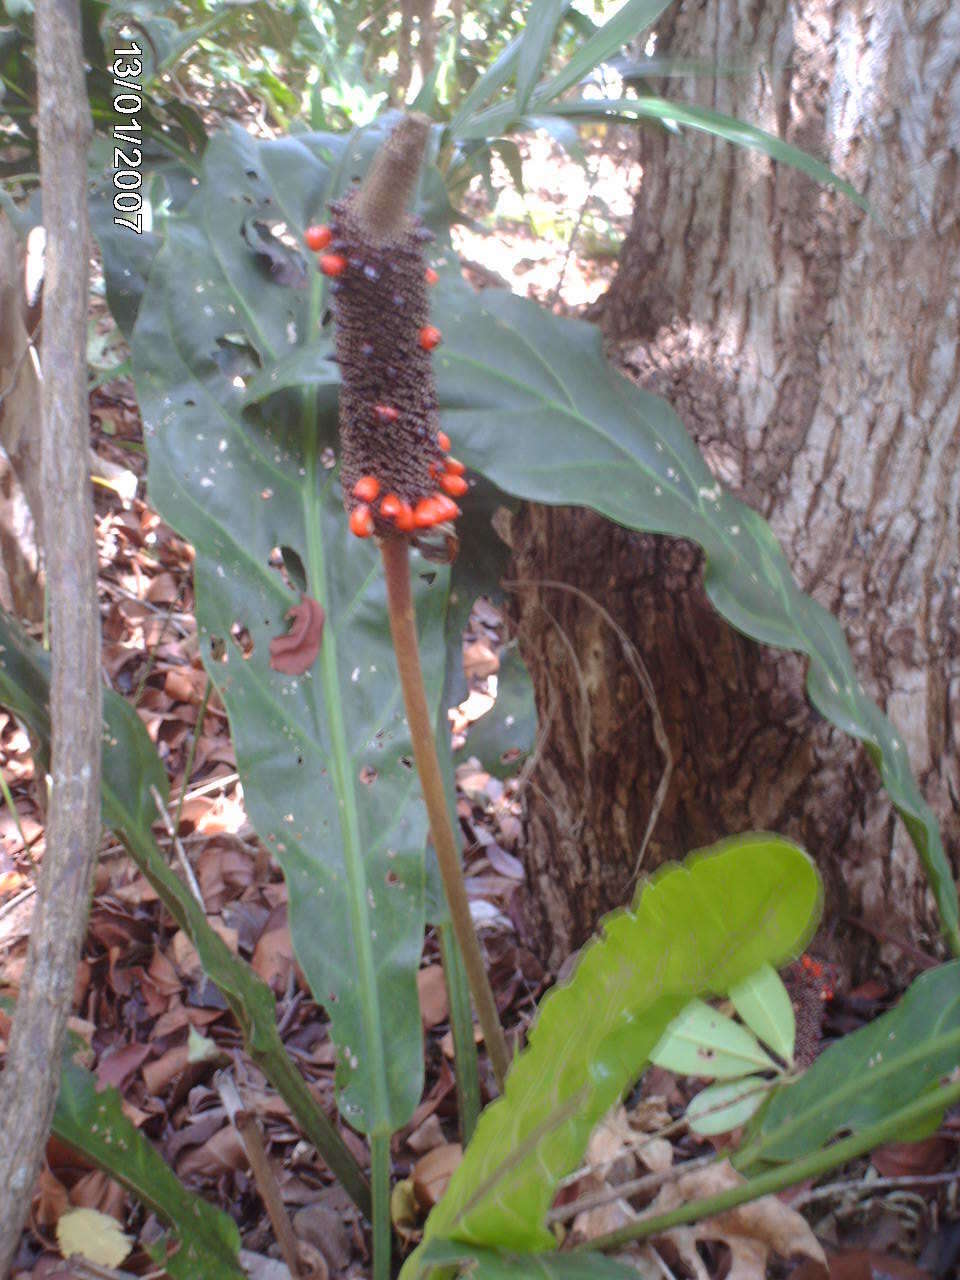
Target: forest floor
141	990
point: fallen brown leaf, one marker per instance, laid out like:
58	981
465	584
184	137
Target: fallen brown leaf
752	1232
432	990
433	1171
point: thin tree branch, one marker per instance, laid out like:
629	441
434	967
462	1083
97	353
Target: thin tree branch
32	1072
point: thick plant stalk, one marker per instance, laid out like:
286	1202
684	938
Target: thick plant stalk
403	628
32	1072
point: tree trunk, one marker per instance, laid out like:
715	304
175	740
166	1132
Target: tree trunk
812	353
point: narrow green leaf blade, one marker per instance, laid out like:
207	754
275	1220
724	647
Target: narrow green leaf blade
533	405
866	1075
702	1042
93	1123
763	1002
715	123
541	23
696	928
625	25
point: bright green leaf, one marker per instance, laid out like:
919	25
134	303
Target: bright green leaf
722	1107
763	1002
703	1042
696	928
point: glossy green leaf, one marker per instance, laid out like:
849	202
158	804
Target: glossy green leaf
321	754
496	1264
722	1107
696	929
703	1042
866	1075
131	769
541	23
531	403
715	123
206	1242
763	1002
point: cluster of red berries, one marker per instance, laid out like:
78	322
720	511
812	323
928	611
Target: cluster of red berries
373	506
434	509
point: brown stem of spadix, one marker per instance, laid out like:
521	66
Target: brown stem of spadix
403	628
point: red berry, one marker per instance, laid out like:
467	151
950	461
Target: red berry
361	521
447	509
427	512
332	264
443	440
405	520
386	412
366	488
390	506
430	337
456	486
454	467
431	276
318	238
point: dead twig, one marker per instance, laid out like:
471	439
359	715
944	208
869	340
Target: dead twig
177	845
245	1123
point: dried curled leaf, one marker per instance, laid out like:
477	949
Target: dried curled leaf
752	1232
294	653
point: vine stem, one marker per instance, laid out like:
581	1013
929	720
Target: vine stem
403	628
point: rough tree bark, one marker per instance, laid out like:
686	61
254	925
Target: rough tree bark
812	353
31	1075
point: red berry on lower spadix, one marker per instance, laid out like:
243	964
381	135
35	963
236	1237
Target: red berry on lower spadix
427	512
361	521
430	276
386	412
317	237
454	467
332	264
390	506
430	337
443	440
366	488
456	486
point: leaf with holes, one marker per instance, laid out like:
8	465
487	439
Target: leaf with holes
530	402
696	929
253	486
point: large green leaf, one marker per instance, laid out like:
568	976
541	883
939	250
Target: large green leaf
866	1075
321	755
531	403
206	1241
130	770
696	928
